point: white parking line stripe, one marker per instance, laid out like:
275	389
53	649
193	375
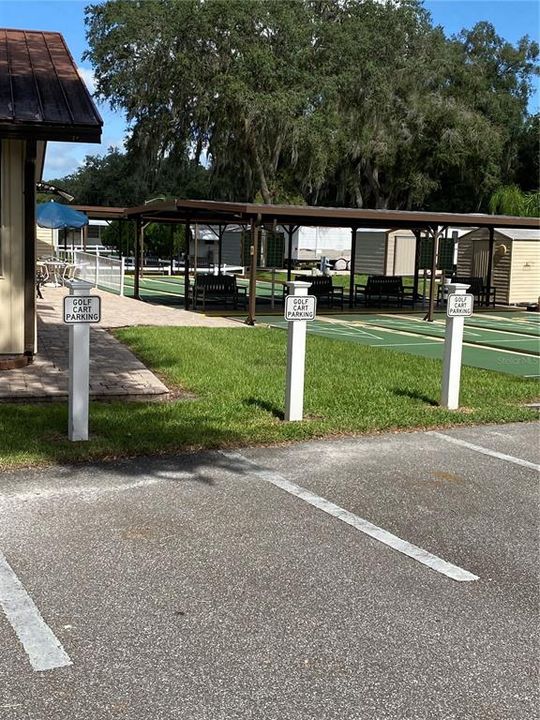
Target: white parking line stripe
40	643
485	451
402	546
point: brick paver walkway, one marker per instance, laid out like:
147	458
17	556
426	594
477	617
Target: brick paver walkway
114	371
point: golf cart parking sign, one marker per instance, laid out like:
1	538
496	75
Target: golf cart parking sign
82	309
460	305
300	307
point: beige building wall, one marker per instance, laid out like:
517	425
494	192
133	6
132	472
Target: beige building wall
46	239
12	155
525	284
400	253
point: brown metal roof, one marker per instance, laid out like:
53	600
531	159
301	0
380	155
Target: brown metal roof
212	212
100	212
42	95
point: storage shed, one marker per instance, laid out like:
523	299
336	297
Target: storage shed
516	262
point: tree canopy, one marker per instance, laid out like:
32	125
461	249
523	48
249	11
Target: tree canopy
351	102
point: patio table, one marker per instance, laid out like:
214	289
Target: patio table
55	268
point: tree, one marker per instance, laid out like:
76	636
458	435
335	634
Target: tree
228	77
487	90
343	101
528	155
118	179
510	200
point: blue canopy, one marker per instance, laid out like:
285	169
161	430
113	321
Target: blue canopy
55	215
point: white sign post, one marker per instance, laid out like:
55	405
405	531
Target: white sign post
299	309
80	310
459	306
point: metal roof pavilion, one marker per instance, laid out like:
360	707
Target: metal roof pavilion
215	212
290	217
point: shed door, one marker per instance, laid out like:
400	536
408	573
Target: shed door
480	261
404	253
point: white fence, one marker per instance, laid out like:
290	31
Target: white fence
102	271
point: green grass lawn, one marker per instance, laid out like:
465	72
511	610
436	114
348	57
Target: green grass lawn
237	377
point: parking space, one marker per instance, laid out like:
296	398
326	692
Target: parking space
249	584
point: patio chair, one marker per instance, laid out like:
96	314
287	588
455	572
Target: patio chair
70	272
42	276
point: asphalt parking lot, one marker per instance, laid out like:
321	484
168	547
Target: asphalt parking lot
387	577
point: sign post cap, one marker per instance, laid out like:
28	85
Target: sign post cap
78	284
456	287
297	283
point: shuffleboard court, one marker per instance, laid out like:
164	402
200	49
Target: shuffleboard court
364	333
526	323
156	290
473	333
169	290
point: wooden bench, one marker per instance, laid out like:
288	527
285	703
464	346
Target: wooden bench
217	287
321	287
381	289
483	295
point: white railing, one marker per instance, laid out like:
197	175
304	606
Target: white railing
102	271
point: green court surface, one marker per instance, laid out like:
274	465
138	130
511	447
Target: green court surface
169	290
164	290
415	337
473	332
505	341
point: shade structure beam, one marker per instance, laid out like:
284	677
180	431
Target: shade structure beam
354	234
489	279
290	230
254	247
186	264
137	276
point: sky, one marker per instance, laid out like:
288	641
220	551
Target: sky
512	19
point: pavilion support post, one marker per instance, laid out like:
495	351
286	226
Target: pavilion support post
186	265
171	249
196	249
221	233
489	278
352	265
417	242
138	244
140	241
431	310
254	236
121	234
85	237
290	232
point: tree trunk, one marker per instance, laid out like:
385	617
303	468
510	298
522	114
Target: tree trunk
265	192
